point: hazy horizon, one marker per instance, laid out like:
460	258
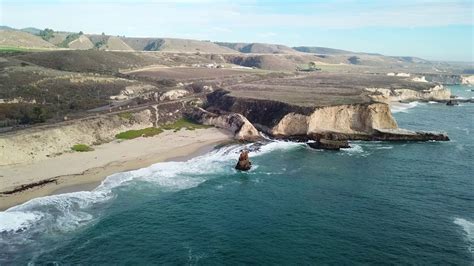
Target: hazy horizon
433	30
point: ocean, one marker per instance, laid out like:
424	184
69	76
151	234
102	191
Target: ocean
375	203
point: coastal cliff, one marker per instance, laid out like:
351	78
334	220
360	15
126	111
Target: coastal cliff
48	141
236	123
362	121
468	79
436	93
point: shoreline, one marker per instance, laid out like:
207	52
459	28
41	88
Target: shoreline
85	171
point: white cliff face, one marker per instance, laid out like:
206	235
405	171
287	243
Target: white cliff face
437	93
236	123
173	95
468	79
31	145
348	119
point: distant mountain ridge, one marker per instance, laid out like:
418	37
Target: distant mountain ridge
32	37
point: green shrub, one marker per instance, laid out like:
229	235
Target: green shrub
146	132
46	34
71	37
184	123
81	148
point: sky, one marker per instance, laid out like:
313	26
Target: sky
434	30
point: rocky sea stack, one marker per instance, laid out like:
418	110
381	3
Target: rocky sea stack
244	163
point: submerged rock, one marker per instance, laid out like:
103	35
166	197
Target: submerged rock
326	144
452	102
244	163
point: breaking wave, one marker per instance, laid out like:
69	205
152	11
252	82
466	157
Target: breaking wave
64	212
402	107
468	228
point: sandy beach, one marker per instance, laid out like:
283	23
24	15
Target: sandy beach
75	171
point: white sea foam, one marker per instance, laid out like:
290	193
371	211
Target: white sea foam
468	227
354	149
17	220
384	148
403	107
277	145
67	211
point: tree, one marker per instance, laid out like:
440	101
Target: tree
46	34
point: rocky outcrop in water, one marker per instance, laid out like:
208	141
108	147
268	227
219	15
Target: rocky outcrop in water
325	144
452	103
244	163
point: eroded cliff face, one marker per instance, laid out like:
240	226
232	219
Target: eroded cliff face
236	123
437	93
347	119
48	141
364	121
37	144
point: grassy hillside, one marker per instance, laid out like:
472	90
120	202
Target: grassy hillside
192	46
144	44
22	39
88	60
116	43
80	43
258	48
321	50
322	89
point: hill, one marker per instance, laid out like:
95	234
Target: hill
31	30
81	43
116	43
88	60
321	50
184	45
22	39
258	48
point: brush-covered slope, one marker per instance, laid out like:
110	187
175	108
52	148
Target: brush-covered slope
22	39
58	38
106	42
89	60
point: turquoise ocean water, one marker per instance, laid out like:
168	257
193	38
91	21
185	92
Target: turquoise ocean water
375	203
